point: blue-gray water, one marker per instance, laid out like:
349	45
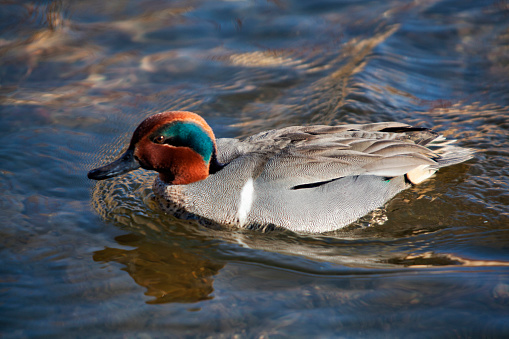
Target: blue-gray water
86	259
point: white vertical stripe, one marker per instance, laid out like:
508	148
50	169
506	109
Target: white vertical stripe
246	201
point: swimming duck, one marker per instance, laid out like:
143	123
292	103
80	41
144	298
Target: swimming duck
307	179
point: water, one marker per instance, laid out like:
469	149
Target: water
86	259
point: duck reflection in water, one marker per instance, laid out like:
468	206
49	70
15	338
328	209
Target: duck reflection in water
169	272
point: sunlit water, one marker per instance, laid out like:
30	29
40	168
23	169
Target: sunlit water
86	259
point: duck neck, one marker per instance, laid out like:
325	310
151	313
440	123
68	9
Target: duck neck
195	170
183	172
215	165
178	178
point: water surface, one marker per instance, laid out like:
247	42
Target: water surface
87	259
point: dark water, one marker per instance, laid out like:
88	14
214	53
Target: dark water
85	259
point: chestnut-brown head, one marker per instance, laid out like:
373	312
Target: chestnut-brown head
179	145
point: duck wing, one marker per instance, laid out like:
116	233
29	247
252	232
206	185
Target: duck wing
306	156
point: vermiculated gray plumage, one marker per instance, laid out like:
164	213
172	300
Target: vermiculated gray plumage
313	178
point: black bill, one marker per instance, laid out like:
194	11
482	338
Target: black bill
124	164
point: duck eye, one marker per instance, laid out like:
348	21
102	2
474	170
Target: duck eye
159	139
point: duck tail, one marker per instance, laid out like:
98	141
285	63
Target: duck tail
445	154
448	154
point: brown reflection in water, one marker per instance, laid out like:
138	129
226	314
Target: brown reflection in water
169	272
436	259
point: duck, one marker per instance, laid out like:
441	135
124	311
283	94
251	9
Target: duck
306	179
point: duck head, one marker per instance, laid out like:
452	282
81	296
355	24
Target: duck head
179	145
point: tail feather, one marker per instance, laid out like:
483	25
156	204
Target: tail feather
451	155
444	154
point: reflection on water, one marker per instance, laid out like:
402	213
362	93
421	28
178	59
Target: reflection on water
170	273
102	259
